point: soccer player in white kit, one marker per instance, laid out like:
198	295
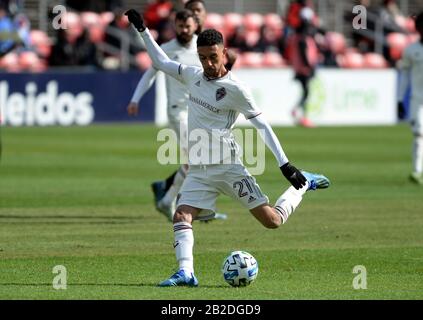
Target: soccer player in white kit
216	99
184	50
411	65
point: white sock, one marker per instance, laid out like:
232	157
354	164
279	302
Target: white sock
184	243
289	201
418	154
171	194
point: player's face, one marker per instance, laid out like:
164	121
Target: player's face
199	11
212	60
185	30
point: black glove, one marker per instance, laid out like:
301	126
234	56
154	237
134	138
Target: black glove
401	110
135	18
293	175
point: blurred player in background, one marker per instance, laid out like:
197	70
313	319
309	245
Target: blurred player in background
184	50
216	100
303	56
411	65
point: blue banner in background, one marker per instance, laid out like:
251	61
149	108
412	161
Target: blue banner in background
71	98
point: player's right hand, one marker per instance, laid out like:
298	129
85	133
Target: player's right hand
135	18
293	175
132	109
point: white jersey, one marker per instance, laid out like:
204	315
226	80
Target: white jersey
412	61
176	92
214	106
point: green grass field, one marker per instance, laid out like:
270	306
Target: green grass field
80	197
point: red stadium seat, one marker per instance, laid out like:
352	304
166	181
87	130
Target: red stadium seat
143	60
410	25
10	62
273	59
374	61
397	43
96	33
28	60
73	24
351	60
252	37
106	18
336	42
252	59
214	21
253	21
231	21
41	42
273	20
89	19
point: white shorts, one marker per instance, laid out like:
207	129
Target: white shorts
203	184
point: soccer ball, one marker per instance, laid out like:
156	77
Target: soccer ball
239	269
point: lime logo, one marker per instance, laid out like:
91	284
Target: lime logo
317	96
45	108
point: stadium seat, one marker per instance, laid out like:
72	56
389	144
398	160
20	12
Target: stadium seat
273	20
40	42
374	61
10	62
253	21
397	43
73	24
410	25
252	37
351	60
251	60
29	61
143	60
96	33
273	59
231	21
214	21
106	18
89	19
336	42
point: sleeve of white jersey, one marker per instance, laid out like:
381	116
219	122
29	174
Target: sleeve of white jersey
270	139
162	62
404	65
245	103
144	84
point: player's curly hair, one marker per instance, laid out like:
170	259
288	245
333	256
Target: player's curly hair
209	37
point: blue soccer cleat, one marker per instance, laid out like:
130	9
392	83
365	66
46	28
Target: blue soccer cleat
316	181
180	278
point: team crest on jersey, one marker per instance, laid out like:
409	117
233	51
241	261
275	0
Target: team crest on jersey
220	93
197	83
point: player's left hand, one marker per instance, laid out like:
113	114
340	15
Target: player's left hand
293	175
135	18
